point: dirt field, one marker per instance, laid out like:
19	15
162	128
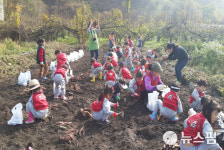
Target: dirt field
134	131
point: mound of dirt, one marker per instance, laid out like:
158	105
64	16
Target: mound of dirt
134	131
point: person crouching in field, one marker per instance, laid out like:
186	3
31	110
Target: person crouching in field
137	85
118	87
110	76
41	60
106	64
195	99
60	80
124	73
37	106
171	105
96	69
101	108
198	130
114	62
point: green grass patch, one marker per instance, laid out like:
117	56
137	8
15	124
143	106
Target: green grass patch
68	40
153	44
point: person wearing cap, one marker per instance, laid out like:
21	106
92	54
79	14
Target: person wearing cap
152	80
171	106
177	52
61	59
101	108
60	80
37	106
137	85
124	73
118	87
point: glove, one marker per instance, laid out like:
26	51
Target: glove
127	89
117	98
116	105
115	114
161	87
41	63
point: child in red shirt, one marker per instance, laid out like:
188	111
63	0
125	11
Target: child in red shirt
37	106
96	69
124	73
110	76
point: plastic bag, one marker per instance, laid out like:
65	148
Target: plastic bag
152	99
53	66
81	53
17	117
24	78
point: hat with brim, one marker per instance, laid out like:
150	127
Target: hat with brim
124	86
157	67
34	84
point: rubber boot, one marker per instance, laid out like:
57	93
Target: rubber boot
93	80
101	76
132	69
176	118
153	115
30	118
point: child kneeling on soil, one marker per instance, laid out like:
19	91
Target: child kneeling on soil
96	69
137	85
141	67
171	106
110	76
101	108
198	127
37	106
114	62
195	99
106	64
118	87
60	80
124	73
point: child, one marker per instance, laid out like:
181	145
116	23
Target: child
136	85
110	76
139	45
107	54
124	73
134	55
114	62
119	52
111	40
37	106
61	59
198	127
148	68
60	80
171	105
128	56
195	99
114	53
41	59
150	56
141	67
96	69
118	87
106	64
101	108
130	43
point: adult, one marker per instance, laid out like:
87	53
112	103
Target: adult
92	31
177	52
111	40
152	81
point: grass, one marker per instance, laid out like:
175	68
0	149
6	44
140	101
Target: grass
153	44
68	40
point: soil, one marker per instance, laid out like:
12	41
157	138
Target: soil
134	131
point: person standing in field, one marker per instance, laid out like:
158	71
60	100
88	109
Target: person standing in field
177	52
93	29
111	40
41	60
